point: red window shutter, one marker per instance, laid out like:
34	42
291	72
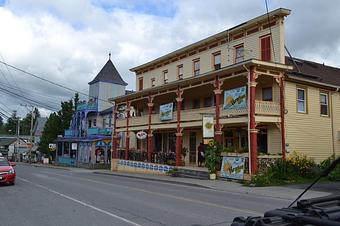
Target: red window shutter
140	84
265	49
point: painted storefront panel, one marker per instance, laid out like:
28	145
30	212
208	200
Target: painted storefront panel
166	112
232	167
235	98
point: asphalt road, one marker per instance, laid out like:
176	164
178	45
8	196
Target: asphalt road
44	196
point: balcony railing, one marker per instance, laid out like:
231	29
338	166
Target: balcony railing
98	131
265	108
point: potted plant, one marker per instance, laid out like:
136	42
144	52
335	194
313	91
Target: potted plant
213	158
184	153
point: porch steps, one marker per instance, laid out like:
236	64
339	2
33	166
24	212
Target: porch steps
192	173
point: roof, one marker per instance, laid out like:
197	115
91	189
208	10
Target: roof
106	111
275	13
7	141
313	71
39	126
110	74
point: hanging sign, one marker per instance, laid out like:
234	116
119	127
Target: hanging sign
52	147
74	146
165	111
208	126
235	98
141	135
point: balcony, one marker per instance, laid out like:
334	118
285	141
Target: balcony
262	108
90	106
97	131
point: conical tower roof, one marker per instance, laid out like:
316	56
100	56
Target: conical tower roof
110	74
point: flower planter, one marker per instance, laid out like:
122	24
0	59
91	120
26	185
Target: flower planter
212	176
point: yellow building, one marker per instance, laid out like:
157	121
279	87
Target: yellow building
235	86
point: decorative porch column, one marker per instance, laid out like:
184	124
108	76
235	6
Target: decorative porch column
62	149
56	152
69	150
218	92
252	122
114	137
179	129
282	112
150	106
127	140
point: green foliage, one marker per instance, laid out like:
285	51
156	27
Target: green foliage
11	125
173	172
184	151
335	174
213	156
55	125
296	168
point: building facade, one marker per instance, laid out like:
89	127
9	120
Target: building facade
236	87
87	142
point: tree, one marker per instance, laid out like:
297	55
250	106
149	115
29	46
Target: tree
1	125
11	125
76	100
55	125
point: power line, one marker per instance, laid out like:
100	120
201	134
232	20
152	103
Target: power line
49	81
28	99
10	73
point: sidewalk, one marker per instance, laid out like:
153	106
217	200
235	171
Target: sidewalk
279	192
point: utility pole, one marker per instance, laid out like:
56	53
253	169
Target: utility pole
16	150
31	131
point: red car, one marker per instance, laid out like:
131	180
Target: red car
7	172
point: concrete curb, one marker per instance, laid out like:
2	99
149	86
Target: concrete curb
154	179
46	166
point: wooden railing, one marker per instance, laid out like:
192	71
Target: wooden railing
266	108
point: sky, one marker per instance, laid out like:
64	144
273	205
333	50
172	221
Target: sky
68	42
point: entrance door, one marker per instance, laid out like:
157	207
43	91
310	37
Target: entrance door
192	148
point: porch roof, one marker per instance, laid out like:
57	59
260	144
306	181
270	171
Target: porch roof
234	69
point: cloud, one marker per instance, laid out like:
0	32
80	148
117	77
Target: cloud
68	41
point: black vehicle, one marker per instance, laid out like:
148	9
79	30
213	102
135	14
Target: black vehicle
323	211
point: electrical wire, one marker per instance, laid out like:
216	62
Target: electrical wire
270	30
49	81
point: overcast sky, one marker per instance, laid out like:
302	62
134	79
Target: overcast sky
68	41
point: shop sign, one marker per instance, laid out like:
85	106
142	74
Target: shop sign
166	112
74	146
235	99
208	126
232	167
52	147
141	135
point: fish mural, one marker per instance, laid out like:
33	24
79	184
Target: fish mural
235	98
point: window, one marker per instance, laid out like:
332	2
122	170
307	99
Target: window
90	122
165	76
196	103
267	94
324	104
239	53
196	67
180	71
110	122
104	123
153	82
217	60
94	122
207	102
265	48
301	100
140	83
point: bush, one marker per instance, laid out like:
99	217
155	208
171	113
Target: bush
335	174
295	168
213	156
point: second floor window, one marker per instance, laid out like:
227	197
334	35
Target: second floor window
266	48
104	122
110	122
267	94
196	67
94	122
239	53
301	100
207	102
324	104
165	76
196	103
180	71
217	60
140	84
153	82
90	124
